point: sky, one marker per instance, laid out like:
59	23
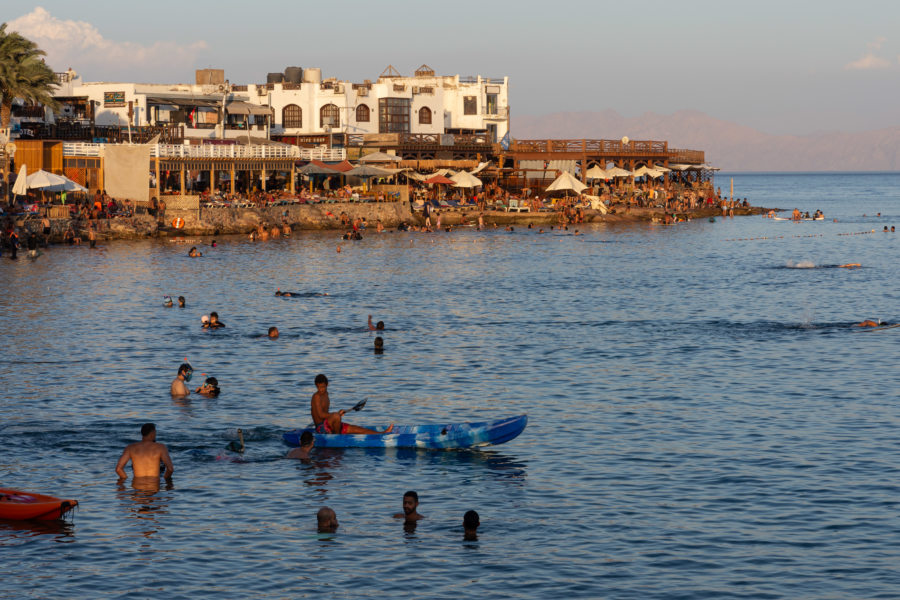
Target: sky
782	67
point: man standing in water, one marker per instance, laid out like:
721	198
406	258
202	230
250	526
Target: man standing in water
185	372
145	456
410	507
330	422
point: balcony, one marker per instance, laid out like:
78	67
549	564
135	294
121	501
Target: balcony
219	151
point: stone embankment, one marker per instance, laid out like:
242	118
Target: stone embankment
223	220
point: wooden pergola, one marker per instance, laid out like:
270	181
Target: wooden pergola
230	165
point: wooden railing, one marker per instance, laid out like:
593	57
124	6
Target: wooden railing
688	157
616	147
224	151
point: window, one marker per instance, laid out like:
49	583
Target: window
329	114
291	116
424	116
491	107
362	114
393	115
470	106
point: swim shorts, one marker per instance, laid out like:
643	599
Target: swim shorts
323	427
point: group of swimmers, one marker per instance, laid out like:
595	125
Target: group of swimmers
146	455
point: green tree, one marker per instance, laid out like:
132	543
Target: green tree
23	74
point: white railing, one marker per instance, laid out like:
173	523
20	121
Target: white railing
219	151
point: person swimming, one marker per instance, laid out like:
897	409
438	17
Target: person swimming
204	320
180	301
214	322
193	252
210	388
285	294
379	345
273	332
376	327
871	323
167	301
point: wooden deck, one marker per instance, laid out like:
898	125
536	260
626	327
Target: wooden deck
602	151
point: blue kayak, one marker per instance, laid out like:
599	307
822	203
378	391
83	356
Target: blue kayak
455	435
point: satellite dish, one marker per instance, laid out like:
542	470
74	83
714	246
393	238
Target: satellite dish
625	140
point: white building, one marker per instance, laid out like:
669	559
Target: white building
302	105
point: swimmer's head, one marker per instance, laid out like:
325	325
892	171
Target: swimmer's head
321	380
278	293
273	332
379	325
147	429
213	317
204	319
306	439
181	301
186	371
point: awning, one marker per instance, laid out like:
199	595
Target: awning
245	108
184	101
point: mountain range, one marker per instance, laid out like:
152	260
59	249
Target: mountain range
728	145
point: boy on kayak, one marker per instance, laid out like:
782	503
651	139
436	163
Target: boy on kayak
330	422
145	456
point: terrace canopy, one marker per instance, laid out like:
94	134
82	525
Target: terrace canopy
618	172
439	179
245	108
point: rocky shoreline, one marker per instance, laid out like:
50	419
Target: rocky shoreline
311	217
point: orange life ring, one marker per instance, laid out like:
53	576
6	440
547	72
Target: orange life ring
178	223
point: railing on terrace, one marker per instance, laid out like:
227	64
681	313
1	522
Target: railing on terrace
443	139
690	157
616	147
486	80
500	112
218	151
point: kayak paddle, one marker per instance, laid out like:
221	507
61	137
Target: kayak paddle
359	406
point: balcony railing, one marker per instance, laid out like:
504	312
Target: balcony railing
615	147
228	151
498	112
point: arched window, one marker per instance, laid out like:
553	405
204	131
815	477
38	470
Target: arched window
362	114
330	114
291	116
424	116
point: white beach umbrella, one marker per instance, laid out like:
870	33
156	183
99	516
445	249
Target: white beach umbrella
661	169
596	172
618	172
646	171
566	181
465	179
379	157
21	186
42	180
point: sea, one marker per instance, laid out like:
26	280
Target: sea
704	419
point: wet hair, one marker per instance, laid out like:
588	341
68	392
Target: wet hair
471	520
181	300
306	438
379	325
272	330
147	428
213	314
411	494
320	378
379	343
212	381
185	367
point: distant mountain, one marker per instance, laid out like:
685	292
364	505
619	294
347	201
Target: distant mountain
728	145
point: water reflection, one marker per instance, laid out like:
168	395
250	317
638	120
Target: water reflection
144	501
14	532
322	462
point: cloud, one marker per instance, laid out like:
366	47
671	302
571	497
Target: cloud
868	62
876	44
80	45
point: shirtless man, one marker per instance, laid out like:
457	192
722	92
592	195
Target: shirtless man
307	441
410	504
145	456
375	326
330	422
870	323
185	372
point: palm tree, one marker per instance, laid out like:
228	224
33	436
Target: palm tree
23	74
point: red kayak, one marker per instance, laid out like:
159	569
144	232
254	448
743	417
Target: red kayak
18	505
